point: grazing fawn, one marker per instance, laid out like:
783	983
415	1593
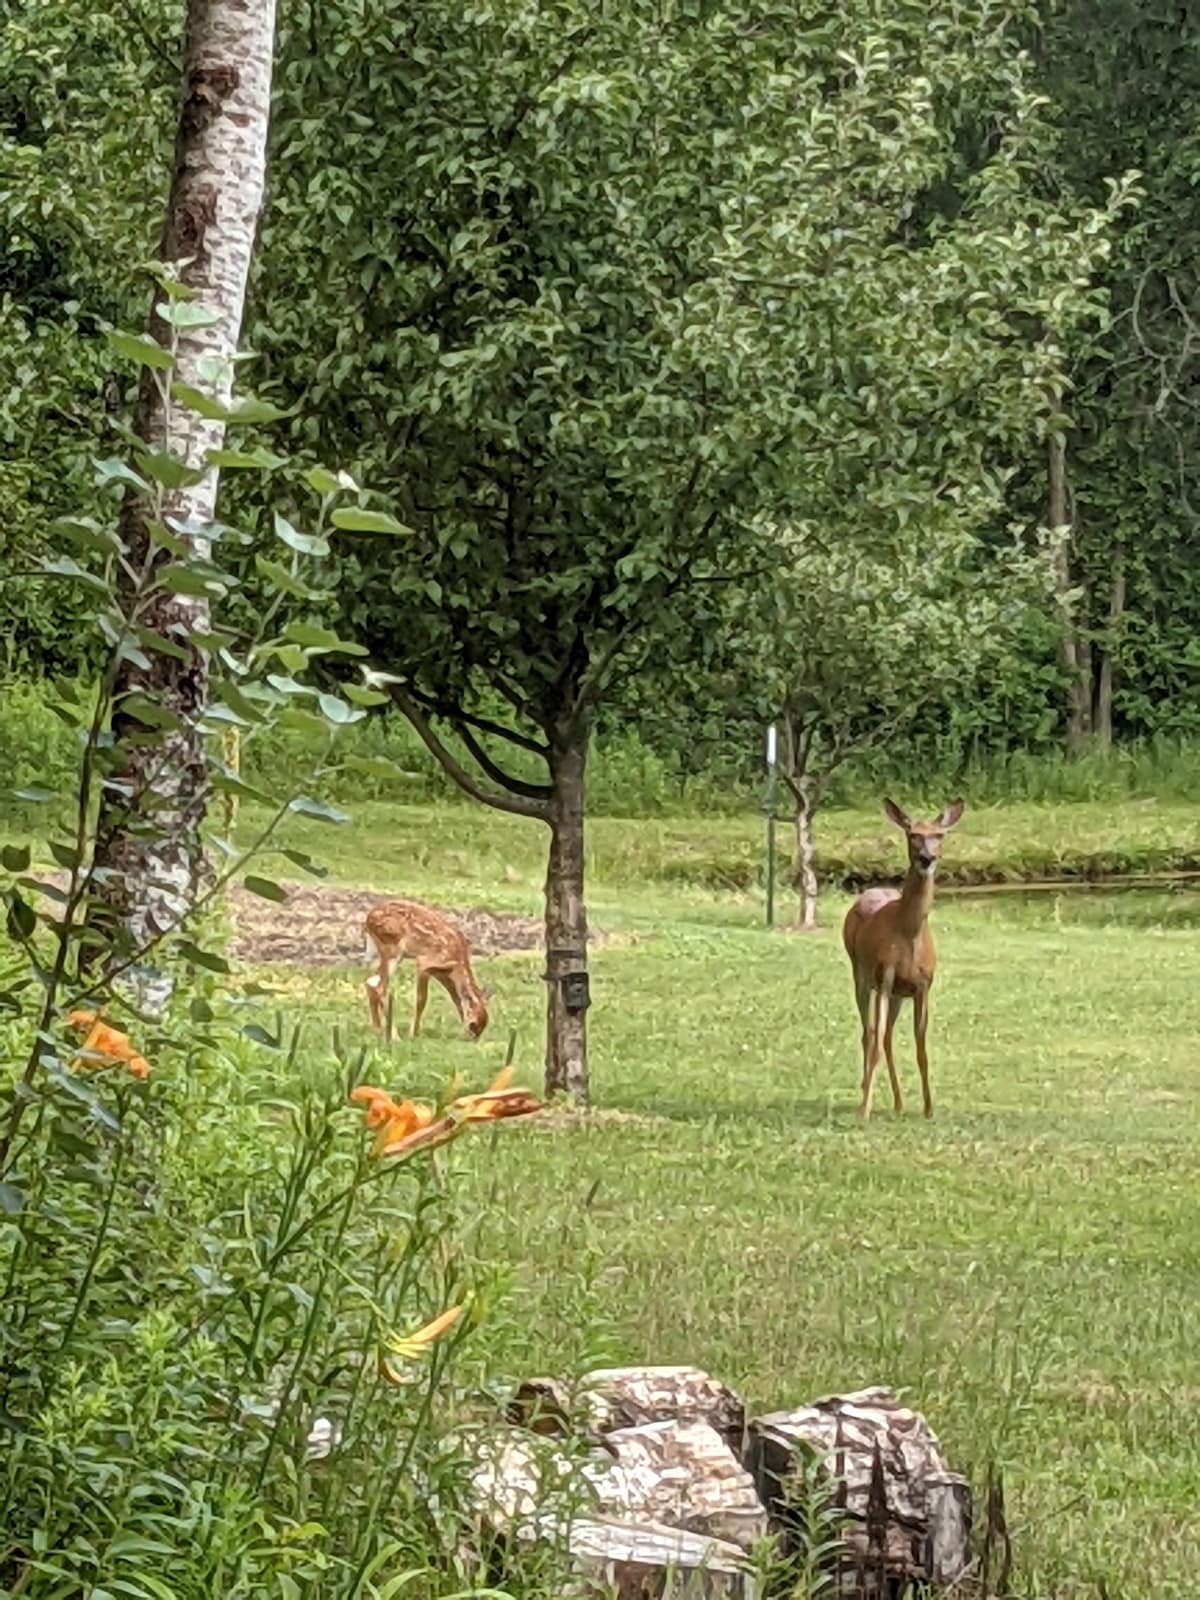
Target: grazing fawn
887	938
403	928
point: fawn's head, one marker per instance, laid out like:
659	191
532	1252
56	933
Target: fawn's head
924	839
475	1012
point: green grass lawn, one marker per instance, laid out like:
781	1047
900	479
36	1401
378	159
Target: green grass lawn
1026	1267
504	856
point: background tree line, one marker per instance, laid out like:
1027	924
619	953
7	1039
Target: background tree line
85	114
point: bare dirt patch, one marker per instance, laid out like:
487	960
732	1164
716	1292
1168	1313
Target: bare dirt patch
324	927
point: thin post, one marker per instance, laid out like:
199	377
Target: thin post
770	810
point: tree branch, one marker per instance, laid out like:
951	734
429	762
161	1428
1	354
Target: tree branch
531	791
516	805
484	724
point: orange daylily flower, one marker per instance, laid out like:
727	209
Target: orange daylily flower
426	1136
101	1040
405	1125
496	1102
392	1120
411	1346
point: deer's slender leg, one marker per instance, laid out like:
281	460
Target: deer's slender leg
920	1024
862	993
422	995
883	1002
893	1012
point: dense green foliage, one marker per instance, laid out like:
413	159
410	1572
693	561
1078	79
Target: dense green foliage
81	174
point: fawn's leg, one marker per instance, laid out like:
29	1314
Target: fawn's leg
377	991
883	1002
920	1023
893	1012
421	996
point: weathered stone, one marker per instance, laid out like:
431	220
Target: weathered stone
684	1475
918	1521
625	1397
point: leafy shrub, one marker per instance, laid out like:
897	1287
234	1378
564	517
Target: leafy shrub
228	1322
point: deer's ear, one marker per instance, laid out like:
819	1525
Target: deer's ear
894	814
950	814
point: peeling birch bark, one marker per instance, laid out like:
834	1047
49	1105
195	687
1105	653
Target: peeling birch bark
148	832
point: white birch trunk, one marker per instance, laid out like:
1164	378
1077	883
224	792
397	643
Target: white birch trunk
212	215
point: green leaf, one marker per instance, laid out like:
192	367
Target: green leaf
50	891
208	959
35	795
286	582
291	657
114	471
284	685
128	651
265	888
22	918
204	405
187	314
87	533
258	1035
303	806
265	460
227	783
302	721
146	352
362	696
378	767
325	482
168	470
11	1199
163	539
187	581
307	544
159	644
305	862
152	713
313	637
337	711
246	707
248	410
15	857
352	520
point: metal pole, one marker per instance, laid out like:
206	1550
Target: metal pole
770	810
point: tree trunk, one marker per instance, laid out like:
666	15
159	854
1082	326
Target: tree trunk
1102	718
805	875
797	746
148	831
566	926
1058	515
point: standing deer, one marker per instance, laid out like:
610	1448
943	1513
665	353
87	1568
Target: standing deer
887	938
403	928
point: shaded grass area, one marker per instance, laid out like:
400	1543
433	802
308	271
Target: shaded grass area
1025	1267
